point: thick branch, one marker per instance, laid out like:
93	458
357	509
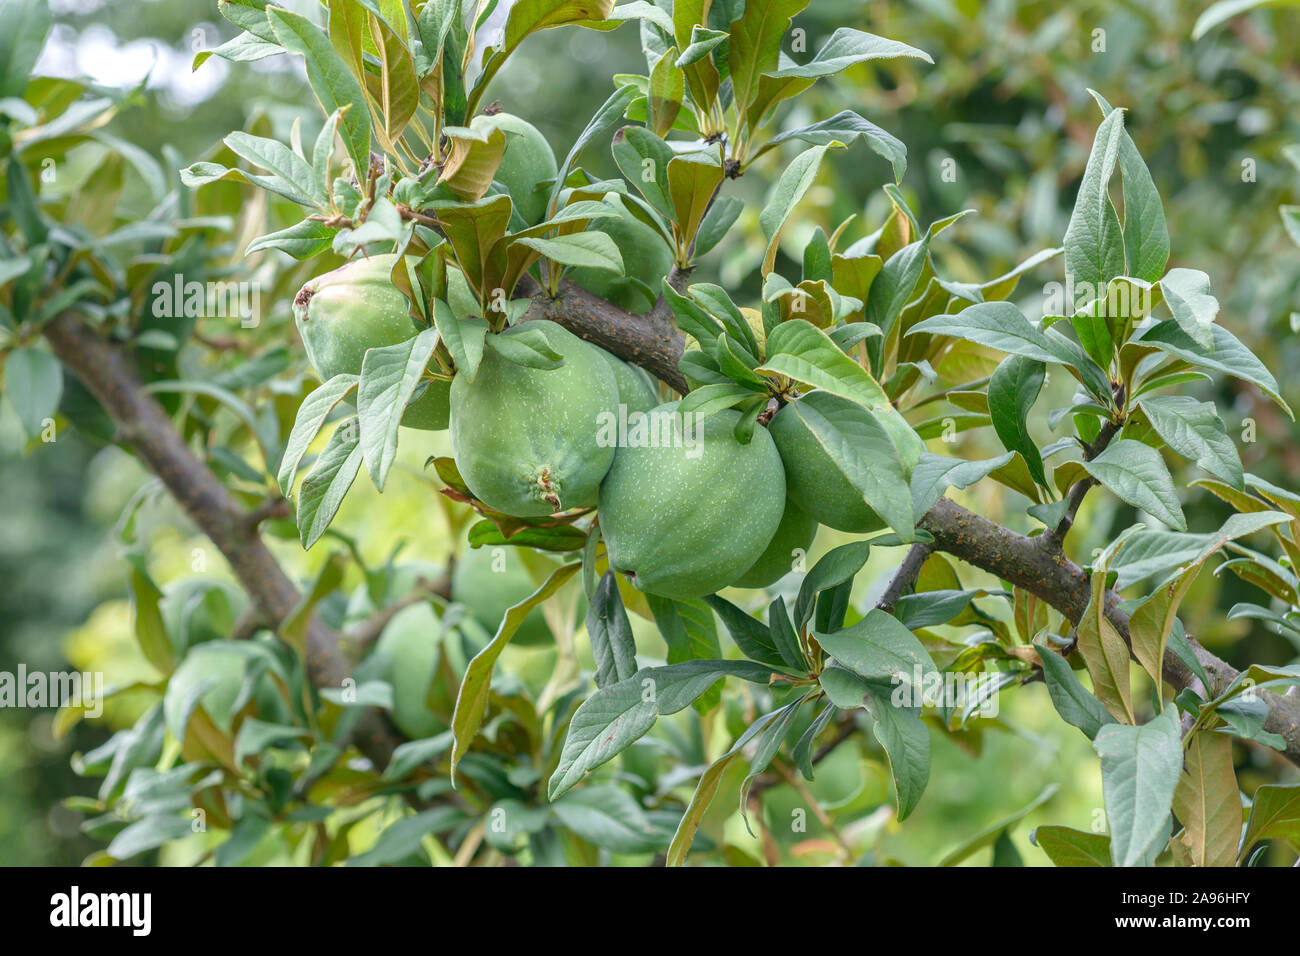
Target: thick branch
650	341
1060	582
144	425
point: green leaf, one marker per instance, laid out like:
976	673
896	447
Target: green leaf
990	834
1207	801
692	181
1148	552
527	347
334	86
292	176
399	89
1137	473
934	474
1013	390
1195	431
302	240
845	689
610	112
586	250
402	838
24	25
1140	767
847	127
1187	293
795	181
1076	706
1067	847
880	648
464	338
150	629
799	350
707	790
755	46
717	222
323	490
1275	812
906	741
643	158
1094	240
389	377
472	698
312	413
666	92
846	47
834	568
1146	235
612	646
527	17
1223	11
752	637
613	717
1228	355
1103	649
33	382
892	289
608	817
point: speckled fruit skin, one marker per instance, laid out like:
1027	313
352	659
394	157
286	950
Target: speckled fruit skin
816	484
683	527
488	593
795	532
526	439
527	161
353	308
636	389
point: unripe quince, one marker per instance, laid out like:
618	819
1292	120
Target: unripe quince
526	439
685	520
357	307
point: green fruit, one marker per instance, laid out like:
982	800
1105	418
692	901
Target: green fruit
357	307
816	483
795	533
409	649
490	581
526	164
692	515
526	440
636	389
646	257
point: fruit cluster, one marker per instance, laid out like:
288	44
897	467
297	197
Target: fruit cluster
680	518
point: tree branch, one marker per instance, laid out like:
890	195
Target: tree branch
144	425
651	341
905	577
1054	578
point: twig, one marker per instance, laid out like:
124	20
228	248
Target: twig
1055	537
369	630
905	577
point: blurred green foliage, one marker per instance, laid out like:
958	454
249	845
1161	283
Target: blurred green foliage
1001	124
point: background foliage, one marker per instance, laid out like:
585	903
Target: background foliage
1006	100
